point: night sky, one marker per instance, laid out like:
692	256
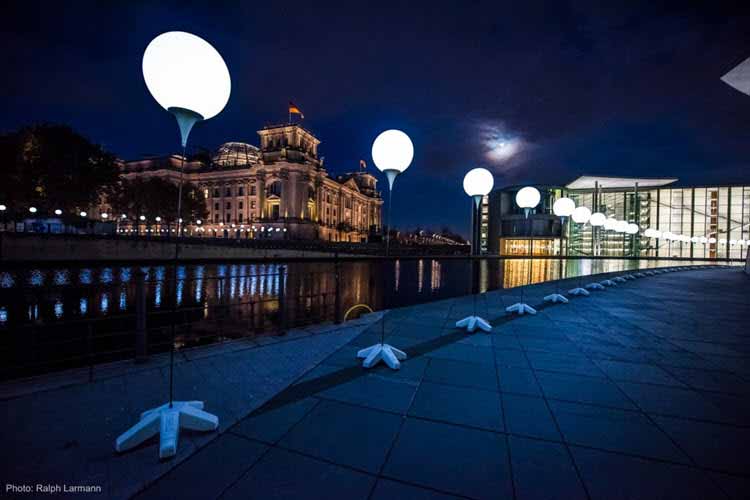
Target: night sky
536	92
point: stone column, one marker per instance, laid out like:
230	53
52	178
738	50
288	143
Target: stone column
261	189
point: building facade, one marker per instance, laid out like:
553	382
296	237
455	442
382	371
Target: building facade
278	190
719	212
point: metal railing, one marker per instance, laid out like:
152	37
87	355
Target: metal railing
234	307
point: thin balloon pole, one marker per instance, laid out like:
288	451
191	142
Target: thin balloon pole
174	278
387	250
475	215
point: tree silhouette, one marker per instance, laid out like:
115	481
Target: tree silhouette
53	167
157	197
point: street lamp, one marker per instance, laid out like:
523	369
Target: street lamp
188	78
563	208
478	182
527	198
3	208
392	153
83	213
58	211
32	210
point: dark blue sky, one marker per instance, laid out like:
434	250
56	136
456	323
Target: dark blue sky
535	91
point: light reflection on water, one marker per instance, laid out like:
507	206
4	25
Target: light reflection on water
53	294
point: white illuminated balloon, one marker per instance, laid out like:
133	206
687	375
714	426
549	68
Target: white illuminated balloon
581	215
703	240
598	219
694	239
528	197
656	233
732	242
712	240
182	70
621	226
722	242
563	207
632	228
478	182
609	224
392	150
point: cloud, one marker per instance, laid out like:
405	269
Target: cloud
503	149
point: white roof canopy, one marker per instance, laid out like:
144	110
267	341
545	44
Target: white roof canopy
739	77
589	182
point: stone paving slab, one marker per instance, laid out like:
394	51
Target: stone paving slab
633	392
62	430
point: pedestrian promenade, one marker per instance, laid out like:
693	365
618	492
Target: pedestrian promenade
61	429
639	391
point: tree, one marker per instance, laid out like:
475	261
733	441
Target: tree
51	166
157	197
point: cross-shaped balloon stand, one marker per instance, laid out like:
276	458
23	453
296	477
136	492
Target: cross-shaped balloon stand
392	153
188	78
527	199
478	183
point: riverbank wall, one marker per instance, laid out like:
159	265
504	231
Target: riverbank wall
22	248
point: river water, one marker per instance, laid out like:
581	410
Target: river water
49	315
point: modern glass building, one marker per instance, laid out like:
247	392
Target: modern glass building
718	212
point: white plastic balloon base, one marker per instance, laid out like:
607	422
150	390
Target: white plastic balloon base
649	273
579	291
555	298
166	422
640	275
629	277
520	308
609	283
382	352
471	323
619	279
595	286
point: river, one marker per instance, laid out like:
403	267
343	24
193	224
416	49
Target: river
49	315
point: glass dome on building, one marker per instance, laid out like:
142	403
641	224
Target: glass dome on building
236	154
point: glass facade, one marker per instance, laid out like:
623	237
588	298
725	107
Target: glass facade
722	213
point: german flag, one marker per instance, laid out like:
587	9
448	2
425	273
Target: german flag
293	109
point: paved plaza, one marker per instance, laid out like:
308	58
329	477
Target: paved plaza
636	392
